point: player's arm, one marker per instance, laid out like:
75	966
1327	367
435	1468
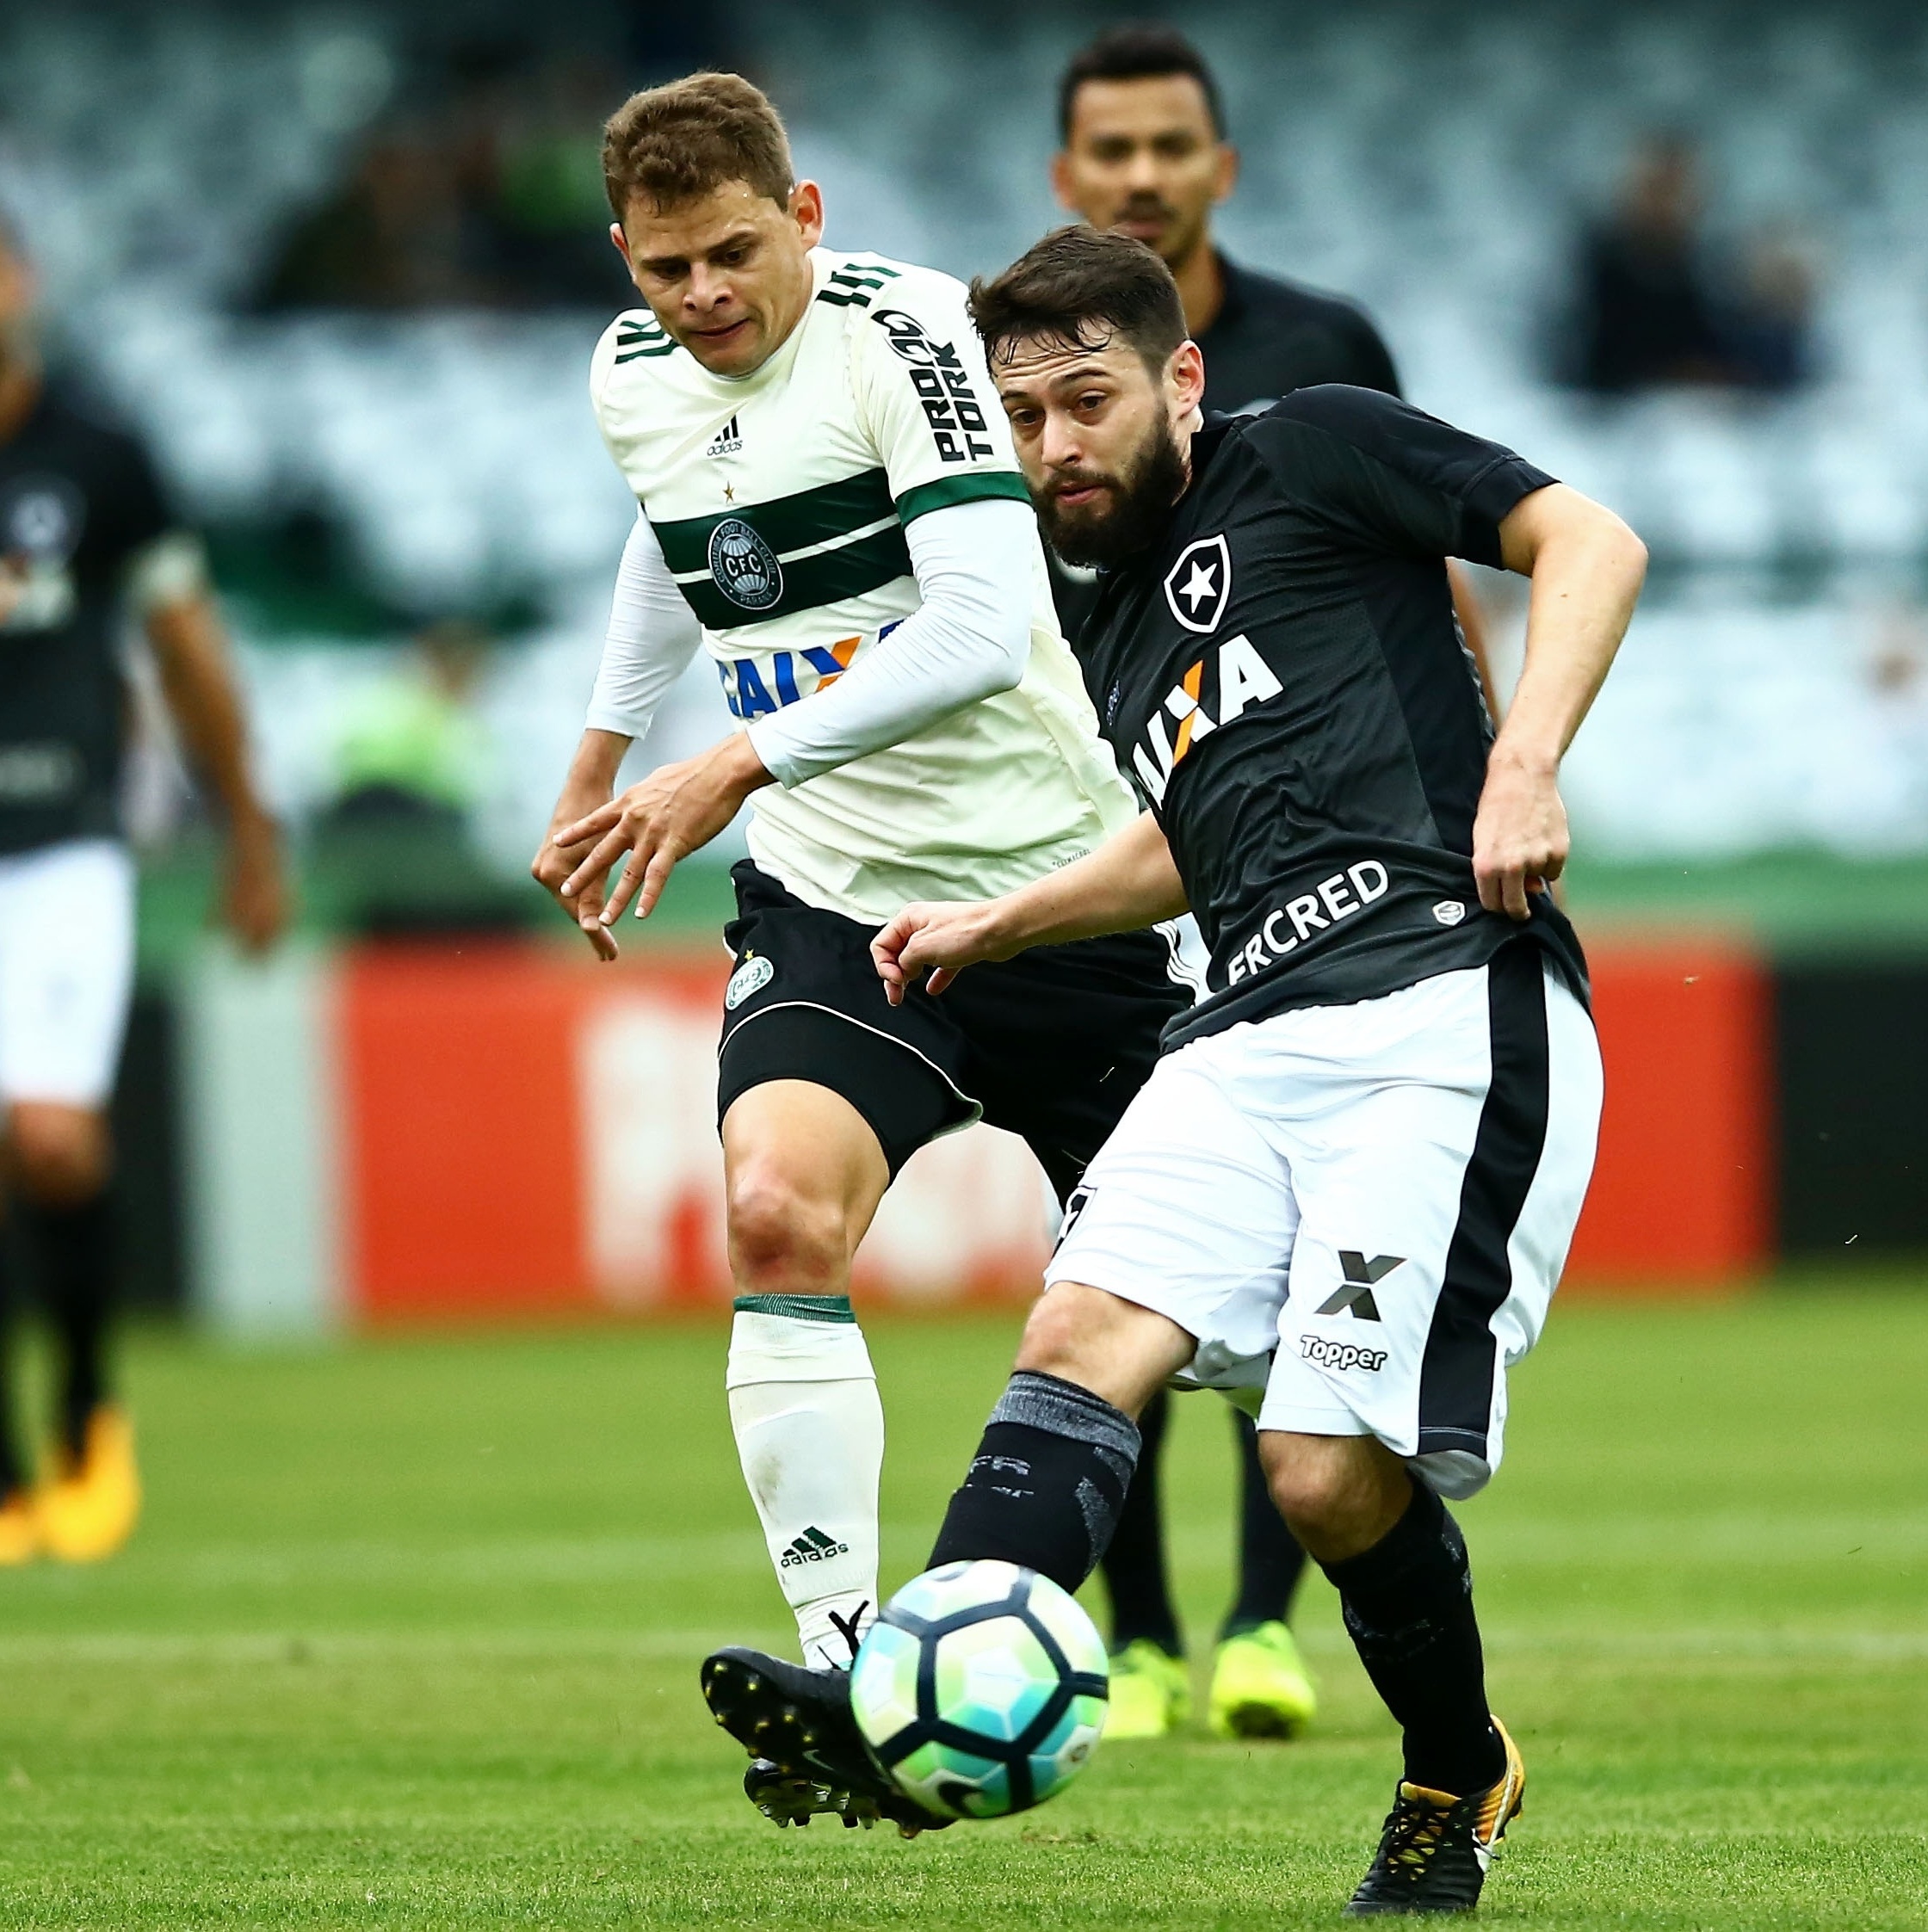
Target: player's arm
1587	568
651	637
169	589
1129	883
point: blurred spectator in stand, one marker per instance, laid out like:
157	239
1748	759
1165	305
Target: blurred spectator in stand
410	749
1656	306
494	198
393	237
393	850
1771	324
1647	312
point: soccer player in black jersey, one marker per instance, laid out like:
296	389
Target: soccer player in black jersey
87	540
1347	1190
1143	151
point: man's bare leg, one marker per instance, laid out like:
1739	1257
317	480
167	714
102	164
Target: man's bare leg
803	1174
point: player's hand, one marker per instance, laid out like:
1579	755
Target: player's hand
943	938
1520	840
254	884
554	863
676	810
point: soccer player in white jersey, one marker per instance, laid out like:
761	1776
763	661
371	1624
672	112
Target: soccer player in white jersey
832	509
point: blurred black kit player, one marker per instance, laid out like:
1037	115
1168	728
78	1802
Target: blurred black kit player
1144	153
86	541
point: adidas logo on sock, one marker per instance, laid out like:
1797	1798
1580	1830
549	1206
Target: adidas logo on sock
727	442
812	1547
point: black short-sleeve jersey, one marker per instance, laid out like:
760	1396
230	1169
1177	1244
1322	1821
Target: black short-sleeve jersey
78	499
1282	675
1271	337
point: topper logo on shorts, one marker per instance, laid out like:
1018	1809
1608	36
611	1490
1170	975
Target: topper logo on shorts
944	386
1342	1355
1242	679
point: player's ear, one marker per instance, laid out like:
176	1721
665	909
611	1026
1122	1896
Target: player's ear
1060	181
807	210
1227	172
1184	379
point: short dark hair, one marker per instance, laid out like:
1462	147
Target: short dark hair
1081	287
1141	51
682	141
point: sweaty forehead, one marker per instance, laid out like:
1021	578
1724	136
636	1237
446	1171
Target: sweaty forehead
1041	362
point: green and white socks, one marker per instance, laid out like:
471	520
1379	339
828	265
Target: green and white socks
810	1435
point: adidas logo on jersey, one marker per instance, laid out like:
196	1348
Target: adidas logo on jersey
812	1547
726	442
1242	679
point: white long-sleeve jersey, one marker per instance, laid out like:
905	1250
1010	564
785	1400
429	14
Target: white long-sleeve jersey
845	533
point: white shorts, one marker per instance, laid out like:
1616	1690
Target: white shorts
1360	1211
66	970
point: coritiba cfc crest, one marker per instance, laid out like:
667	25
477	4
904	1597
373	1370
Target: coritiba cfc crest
744	567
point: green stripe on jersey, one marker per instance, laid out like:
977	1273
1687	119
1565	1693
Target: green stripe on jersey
979	486
799	1307
852	570
785	523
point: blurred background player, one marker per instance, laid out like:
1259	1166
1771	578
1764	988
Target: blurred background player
1144	152
86	541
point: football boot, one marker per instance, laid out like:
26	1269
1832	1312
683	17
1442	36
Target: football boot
87	1508
808	1756
19	1529
1260	1686
1151	1691
1435	1848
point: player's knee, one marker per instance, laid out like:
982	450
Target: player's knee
783	1239
59	1154
1109	1346
1336	1495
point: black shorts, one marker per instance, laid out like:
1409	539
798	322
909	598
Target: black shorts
1051	1045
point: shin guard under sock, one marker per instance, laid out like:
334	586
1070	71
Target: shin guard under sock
1046	1484
1134	1567
810	1433
75	1248
1408	1603
1270	1562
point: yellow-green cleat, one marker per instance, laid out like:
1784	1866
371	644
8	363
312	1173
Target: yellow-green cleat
1260	1686
1150	1692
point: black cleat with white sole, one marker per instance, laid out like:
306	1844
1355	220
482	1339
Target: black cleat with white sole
809	1759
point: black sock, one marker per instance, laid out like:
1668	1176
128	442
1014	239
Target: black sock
13	1467
1270	1562
1408	1604
77	1262
1045	1486
1134	1571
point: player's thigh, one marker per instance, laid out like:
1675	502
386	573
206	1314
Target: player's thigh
804	1004
66	971
803	1173
1437	1197
1188	1210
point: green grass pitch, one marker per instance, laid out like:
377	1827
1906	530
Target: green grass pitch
409	1636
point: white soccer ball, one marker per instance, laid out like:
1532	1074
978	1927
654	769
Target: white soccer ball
981	1687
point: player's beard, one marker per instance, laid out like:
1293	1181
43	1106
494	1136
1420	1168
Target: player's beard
1141	500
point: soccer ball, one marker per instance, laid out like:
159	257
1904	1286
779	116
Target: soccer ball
981	1688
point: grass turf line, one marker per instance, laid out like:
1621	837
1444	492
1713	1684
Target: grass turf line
409	1640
